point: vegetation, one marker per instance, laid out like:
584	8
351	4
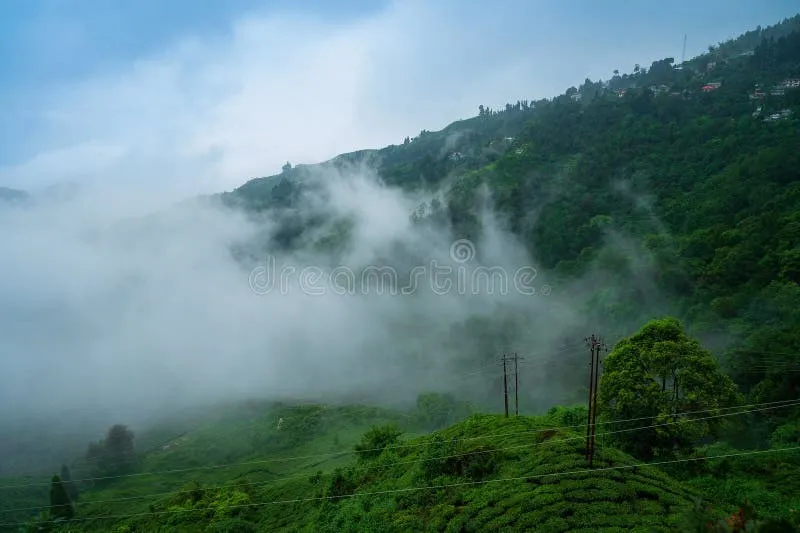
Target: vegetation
60	503
698	164
487	471
651	377
112	455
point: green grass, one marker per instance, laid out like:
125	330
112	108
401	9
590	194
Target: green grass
483	473
488	472
204	449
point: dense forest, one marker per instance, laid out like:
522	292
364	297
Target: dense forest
698	165
705	176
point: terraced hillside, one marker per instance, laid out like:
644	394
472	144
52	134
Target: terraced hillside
484	473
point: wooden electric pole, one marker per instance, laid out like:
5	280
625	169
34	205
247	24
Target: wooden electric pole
595	344
505	384
591	397
516	386
505	359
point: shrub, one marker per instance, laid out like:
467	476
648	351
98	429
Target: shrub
374	441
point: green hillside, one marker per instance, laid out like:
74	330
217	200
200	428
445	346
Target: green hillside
485	472
489	483
675	189
694	168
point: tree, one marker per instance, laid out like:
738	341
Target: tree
437	410
119	441
374	441
60	504
66	478
114	454
286	168
653	377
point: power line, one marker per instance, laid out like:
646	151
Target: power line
414	461
371	467
785	403
429	487
774	405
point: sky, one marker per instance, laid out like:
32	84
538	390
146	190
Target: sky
195	97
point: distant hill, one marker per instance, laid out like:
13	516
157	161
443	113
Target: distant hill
426	160
430	157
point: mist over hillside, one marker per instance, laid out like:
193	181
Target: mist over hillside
320	349
109	316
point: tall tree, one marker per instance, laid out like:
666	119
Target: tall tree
60	504
119	441
66	479
114	454
656	375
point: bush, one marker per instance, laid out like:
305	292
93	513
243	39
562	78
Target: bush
232	525
786	435
374	441
449	458
436	411
341	484
575	416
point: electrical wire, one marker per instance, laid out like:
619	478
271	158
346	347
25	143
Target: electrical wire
349	452
397	463
413	489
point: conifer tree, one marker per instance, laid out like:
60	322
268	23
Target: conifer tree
60	504
66	479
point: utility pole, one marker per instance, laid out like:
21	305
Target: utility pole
505	385
591	396
595	345
505	359
516	386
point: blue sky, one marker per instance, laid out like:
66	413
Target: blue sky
210	93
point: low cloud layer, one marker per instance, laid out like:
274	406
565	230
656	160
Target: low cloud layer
102	311
114	311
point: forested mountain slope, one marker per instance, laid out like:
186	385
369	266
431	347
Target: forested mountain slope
698	163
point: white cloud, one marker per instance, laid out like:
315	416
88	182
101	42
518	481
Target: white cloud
99	311
209	114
